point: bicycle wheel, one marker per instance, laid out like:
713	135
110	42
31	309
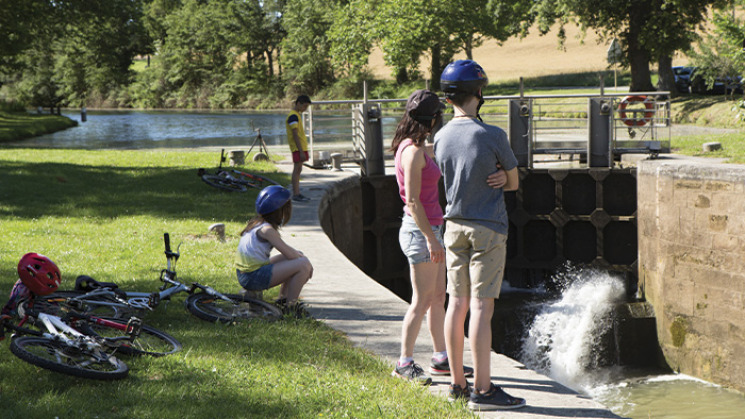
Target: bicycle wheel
252	180
214	309
151	341
59	357
220	182
96	305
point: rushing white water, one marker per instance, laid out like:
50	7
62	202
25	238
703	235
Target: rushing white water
563	341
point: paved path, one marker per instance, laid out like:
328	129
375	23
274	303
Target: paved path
345	298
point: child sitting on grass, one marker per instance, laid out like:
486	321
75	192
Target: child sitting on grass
256	269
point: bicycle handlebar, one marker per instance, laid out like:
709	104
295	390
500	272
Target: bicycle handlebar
169	253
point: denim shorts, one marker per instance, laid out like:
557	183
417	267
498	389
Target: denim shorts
413	243
257	280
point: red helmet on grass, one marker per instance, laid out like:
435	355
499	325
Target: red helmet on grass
39	274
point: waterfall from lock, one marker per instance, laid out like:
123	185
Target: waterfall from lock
564	340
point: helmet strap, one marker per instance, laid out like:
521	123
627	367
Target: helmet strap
478	108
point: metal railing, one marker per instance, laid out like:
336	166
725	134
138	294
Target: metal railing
556	124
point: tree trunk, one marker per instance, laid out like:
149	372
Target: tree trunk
641	77
279	62
667	78
468	48
270	62
435	68
402	76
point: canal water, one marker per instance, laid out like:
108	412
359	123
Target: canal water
184	129
562	343
561	340
164	129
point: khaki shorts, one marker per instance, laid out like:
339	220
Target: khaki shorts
475	259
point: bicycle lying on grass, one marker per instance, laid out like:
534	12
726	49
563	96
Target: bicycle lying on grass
203	301
233	180
83	345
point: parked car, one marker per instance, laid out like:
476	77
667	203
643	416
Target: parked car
722	85
683	78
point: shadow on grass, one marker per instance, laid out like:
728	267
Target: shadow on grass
692	103
32	190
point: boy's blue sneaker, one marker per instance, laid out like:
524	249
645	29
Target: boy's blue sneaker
443	368
412	372
494	399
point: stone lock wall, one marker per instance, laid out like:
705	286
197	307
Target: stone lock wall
691	228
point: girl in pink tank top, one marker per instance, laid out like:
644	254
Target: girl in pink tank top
420	235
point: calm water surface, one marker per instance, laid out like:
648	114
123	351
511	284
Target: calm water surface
176	129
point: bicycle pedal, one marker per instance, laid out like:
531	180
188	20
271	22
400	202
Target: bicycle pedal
134	326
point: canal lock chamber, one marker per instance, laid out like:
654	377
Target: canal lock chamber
562	221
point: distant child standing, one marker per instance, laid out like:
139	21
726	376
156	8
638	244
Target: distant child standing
256	269
298	144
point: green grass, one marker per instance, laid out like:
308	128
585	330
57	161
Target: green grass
16	126
733	146
139	65
103	214
716	111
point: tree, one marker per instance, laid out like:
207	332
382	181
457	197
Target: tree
351	36
649	29
721	54
259	32
674	29
196	51
306	47
440	28
15	27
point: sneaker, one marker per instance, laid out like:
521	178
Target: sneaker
443	368
412	372
456	392
494	399
300	198
296	310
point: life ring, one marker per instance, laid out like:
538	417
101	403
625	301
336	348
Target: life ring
636	121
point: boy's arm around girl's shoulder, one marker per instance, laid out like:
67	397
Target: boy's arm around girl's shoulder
271	235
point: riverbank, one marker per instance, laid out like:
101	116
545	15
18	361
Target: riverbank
15	126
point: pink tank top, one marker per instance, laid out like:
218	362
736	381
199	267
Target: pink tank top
429	193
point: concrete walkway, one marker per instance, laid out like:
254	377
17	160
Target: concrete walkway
346	299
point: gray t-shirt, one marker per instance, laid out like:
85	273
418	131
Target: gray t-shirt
467	151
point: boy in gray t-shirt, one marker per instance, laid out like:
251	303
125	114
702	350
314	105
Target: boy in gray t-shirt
467	151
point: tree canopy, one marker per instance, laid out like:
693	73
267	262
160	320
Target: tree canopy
233	53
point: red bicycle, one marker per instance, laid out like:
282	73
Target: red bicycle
233	180
83	345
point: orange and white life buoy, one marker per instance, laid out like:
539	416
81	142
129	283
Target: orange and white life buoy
636	121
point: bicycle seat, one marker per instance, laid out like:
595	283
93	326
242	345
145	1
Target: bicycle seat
86	283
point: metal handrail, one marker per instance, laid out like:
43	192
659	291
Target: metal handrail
494	111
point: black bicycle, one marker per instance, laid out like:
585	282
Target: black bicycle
203	301
233	180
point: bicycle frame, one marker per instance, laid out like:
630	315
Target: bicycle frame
57	329
143	300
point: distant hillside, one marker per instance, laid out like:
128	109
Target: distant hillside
531	56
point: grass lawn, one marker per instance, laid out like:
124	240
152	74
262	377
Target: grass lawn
17	126
733	146
103	214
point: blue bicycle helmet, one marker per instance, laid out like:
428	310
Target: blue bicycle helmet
463	76
271	199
